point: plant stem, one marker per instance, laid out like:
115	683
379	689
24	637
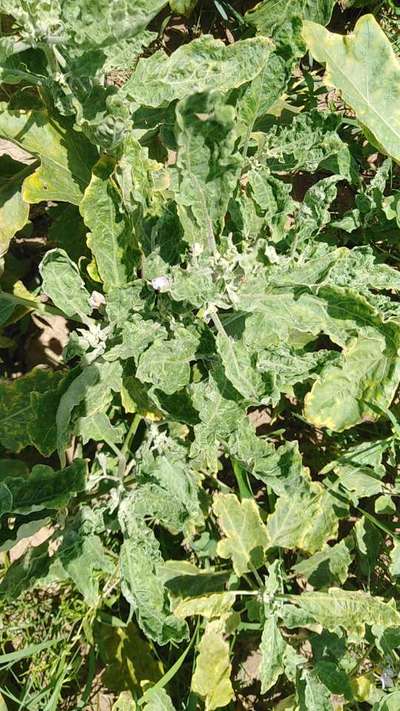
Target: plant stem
131	433
170	673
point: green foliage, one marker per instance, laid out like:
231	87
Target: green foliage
205	64
200	338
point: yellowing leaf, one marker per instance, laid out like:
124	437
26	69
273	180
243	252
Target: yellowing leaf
246	537
158	700
124	702
364	67
14	211
66	156
211	678
303	519
128	659
362	687
209	606
368	373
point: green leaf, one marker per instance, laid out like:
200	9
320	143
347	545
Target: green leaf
239	369
166	364
262	93
296	318
182	7
360	468
81	556
219	413
42	489
111	233
205	64
312	693
195	284
136	335
98	428
98	23
246	537
141	585
89	394
327	567
365	69
7	307
267	15
67	231
395	558
21	528
280	468
121	303
23	419
69	400
29	651
30	570
273	199
167	492
208	165
85	26
332	676
284	367
66	157
63	283
272	649
309	140
124	53
368	541
143	181
211	678
349	609
365	376
313	213
184	580
389	702
13	467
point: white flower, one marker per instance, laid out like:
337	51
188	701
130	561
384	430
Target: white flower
96	299
160	283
